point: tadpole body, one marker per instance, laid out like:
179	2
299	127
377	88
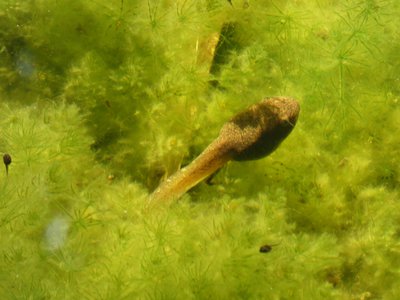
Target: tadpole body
267	248
251	134
7	161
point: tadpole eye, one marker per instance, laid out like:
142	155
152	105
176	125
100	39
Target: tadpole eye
7	161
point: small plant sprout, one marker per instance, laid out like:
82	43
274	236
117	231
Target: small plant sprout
7	161
251	134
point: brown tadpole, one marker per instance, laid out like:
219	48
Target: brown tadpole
251	134
7	161
267	248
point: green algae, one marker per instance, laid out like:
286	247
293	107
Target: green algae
100	100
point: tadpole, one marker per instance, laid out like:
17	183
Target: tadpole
251	134
265	248
7	161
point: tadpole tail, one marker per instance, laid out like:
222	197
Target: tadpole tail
209	161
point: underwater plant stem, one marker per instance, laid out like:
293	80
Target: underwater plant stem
251	134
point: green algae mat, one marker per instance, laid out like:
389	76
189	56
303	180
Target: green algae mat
102	102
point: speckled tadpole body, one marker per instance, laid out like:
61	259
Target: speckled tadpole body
251	134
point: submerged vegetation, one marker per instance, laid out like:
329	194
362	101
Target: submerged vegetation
102	100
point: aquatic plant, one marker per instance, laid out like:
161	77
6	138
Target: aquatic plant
100	101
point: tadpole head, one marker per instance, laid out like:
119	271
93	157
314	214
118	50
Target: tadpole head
257	131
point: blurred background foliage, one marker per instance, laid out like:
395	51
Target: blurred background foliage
100	100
